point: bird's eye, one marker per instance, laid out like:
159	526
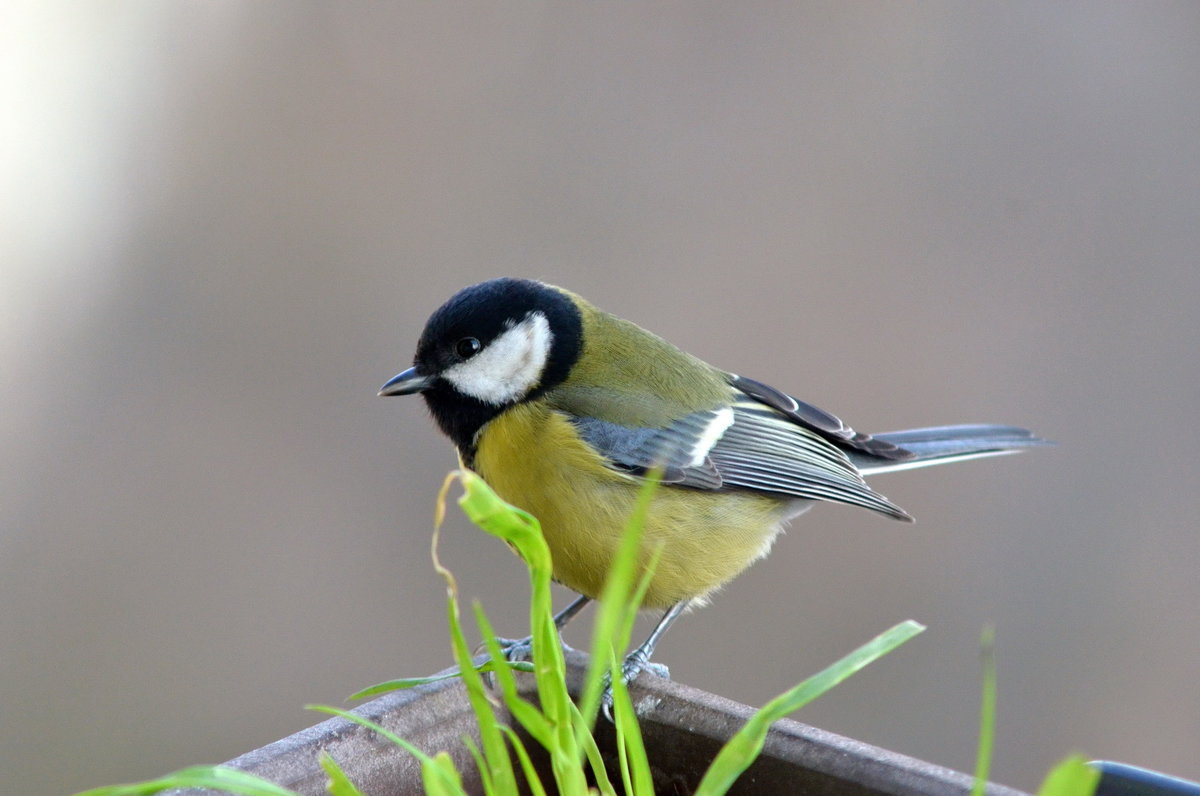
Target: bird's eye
468	347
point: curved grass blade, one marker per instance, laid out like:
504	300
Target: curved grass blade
524	711
229	780
987	712
618	611
592	753
523	532
405	683
339	784
453	782
498	762
440	777
742	749
631	752
531	776
485	776
1071	777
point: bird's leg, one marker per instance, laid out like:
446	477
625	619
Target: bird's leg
520	649
639	659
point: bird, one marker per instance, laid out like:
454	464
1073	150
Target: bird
566	410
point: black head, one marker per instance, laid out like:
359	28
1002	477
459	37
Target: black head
491	346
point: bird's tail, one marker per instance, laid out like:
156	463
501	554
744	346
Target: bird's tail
942	444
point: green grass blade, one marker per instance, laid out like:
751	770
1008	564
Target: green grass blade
405	683
1071	777
495	751
229	780
523	532
339	783
401	684
617	612
987	712
440	777
362	721
592	753
523	711
745	746
635	764
559	728
438	773
531	776
485	776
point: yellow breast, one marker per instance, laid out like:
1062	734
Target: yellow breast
533	458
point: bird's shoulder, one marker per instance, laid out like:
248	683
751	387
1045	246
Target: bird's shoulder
629	376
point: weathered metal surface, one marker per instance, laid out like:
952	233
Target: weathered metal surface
682	726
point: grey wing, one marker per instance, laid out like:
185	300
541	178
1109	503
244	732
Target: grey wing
748	445
767	451
828	425
679	449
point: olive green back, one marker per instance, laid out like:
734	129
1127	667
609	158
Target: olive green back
629	376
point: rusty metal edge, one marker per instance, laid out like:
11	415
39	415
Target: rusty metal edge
676	719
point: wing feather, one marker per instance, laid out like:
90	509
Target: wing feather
828	425
765	452
747	445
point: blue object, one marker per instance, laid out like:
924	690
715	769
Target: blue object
1119	779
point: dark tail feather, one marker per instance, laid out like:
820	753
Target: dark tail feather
942	444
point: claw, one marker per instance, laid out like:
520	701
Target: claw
635	663
639	659
658	669
521	649
513	649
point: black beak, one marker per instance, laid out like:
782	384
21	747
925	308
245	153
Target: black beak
406	383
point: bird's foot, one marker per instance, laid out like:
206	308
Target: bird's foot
513	650
635	663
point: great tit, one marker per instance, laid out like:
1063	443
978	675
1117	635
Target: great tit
564	410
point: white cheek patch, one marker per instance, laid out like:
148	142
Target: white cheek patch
509	367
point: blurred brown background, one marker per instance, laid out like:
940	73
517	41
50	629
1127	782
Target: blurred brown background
224	225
